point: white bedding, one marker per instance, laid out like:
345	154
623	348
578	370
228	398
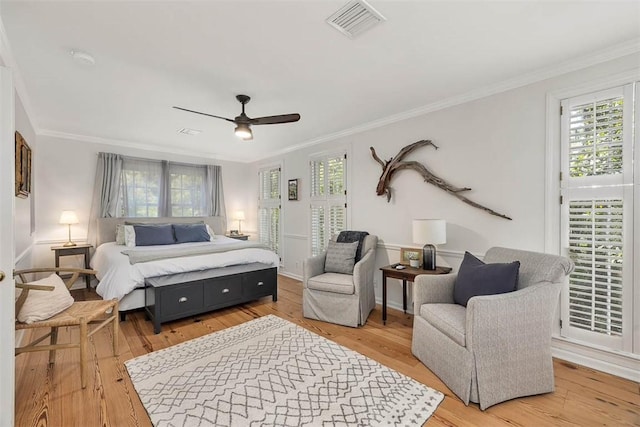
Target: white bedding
118	277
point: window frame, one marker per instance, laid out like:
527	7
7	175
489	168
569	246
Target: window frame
164	187
578	349
271	203
326	201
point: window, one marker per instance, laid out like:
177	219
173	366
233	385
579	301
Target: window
328	199
597	217
269	207
188	196
153	188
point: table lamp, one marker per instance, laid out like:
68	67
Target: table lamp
69	217
239	215
431	232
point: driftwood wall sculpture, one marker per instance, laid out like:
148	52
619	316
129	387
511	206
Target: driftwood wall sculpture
396	163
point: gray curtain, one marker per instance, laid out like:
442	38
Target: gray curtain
105	191
215	193
164	199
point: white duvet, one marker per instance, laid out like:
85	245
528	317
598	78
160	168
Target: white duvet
118	277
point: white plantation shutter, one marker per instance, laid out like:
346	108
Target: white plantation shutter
328	199
269	207
317	178
596	138
318	231
596	247
597	217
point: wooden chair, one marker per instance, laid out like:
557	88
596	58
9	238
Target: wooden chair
80	313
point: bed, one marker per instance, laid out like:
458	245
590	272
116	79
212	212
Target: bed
122	276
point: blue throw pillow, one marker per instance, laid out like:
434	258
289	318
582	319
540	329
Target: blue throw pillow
477	278
186	233
154	234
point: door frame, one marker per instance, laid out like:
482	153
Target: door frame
7	249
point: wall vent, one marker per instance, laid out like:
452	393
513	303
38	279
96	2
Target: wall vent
188	131
354	18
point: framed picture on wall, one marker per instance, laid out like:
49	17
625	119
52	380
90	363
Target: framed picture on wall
23	167
293	189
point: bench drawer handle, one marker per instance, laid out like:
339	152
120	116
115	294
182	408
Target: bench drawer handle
182	299
225	290
260	283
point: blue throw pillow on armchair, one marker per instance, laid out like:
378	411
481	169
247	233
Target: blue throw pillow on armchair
477	278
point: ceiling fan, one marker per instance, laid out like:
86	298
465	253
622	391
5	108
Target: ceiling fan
244	122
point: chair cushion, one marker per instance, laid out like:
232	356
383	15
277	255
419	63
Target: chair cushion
477	278
340	257
450	319
332	282
41	305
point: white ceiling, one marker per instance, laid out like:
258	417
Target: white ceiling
199	55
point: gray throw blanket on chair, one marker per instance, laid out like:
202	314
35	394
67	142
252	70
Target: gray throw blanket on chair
353	236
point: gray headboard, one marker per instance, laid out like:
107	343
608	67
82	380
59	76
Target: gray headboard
106	227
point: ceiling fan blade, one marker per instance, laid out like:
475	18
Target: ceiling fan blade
272	120
204	114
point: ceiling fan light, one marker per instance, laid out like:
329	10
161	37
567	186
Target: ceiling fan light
243	131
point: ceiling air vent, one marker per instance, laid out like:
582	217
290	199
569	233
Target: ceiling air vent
355	18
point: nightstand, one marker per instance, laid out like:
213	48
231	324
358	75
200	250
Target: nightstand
74	250
407	274
238	236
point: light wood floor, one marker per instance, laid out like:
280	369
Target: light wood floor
53	396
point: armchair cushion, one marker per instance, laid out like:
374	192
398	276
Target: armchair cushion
340	257
450	319
332	282
41	305
477	278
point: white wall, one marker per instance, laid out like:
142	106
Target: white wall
65	176
495	145
23	238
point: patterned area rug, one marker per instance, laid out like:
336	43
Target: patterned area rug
271	372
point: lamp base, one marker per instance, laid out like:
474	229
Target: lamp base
429	257
69	244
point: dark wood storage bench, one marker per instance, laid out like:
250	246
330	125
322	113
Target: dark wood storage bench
186	294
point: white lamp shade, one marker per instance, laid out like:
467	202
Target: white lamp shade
69	217
239	215
432	231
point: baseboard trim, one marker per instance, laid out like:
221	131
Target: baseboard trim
290	275
615	364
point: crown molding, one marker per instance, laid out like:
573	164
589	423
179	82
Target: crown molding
136	145
624	49
6	54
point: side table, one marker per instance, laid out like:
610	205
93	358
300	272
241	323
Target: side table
74	250
407	274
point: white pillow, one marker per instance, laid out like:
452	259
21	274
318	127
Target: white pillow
120	234
41	305
211	235
129	236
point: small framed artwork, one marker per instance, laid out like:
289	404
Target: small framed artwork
23	167
411	254
293	189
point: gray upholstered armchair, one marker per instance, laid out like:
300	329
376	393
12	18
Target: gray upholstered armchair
499	346
345	299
